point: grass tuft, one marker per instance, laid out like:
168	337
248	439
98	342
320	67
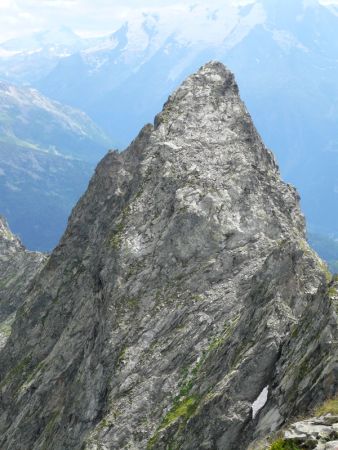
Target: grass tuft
328	407
282	444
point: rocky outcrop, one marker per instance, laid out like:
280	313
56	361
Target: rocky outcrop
316	433
182	291
17	268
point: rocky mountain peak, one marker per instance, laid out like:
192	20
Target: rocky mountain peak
10	244
17	269
181	291
209	94
212	82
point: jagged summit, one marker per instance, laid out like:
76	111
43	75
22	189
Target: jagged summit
204	92
213	80
209	100
213	75
182	288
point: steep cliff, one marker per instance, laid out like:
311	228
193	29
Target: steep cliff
17	268
182	291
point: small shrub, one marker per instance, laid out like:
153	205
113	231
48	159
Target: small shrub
332	292
282	444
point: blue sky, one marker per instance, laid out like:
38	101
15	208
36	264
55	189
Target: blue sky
87	17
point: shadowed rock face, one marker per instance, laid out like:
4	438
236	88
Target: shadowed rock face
17	269
182	287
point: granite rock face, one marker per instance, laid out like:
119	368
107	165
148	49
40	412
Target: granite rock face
17	268
182	289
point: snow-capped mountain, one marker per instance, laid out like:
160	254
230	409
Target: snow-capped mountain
28	58
62	41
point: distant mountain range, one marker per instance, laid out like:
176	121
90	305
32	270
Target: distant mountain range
284	55
47	155
29	58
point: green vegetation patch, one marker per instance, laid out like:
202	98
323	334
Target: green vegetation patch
105	423
328	407
217	343
121	356
116	238
185	403
182	410
282	444
332	291
328	275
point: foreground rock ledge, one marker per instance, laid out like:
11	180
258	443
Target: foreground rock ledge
315	433
182	288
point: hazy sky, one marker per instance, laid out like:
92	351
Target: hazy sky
87	17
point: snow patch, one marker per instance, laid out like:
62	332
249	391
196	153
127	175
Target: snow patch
260	401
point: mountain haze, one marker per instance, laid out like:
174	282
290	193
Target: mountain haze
28	58
48	152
